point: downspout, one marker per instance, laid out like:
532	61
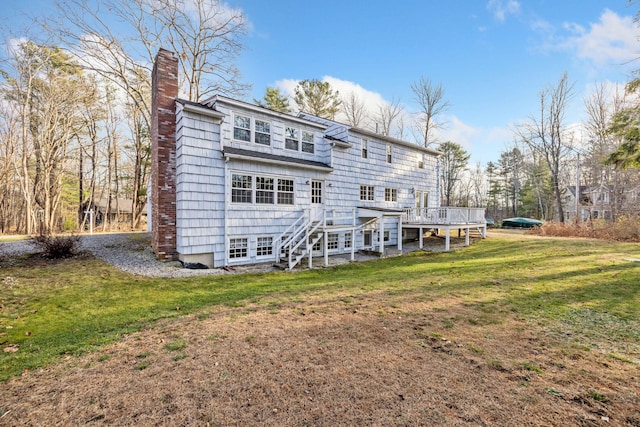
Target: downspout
226	204
437	182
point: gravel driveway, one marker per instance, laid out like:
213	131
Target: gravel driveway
131	252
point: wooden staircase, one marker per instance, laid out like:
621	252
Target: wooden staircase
297	244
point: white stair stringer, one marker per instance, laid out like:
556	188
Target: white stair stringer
300	242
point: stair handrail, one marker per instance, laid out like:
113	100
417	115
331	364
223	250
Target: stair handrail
294	242
314	226
278	243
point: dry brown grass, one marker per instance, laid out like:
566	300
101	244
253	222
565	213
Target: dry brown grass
377	360
625	229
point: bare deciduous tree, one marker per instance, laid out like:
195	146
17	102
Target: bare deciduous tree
25	61
354	108
546	134
205	34
387	114
430	99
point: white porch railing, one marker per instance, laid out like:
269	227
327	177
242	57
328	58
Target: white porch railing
444	216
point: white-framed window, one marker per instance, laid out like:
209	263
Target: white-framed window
420	161
390	194
316	192
241	188
244	127
365	148
285	191
389	153
308	145
263	190
262	133
332	241
366	192
238	248
299	140
264	246
348	240
291	138
387	235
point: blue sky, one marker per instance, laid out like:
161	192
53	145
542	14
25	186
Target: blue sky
492	57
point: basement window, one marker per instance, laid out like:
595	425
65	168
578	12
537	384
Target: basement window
265	246
238	248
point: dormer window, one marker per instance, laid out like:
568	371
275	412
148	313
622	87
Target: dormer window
307	142
291	137
263	133
295	139
243	130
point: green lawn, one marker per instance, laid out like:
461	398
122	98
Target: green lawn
588	287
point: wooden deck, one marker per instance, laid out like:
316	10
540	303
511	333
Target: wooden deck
447	219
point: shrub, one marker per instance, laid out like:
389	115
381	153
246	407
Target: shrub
57	247
623	229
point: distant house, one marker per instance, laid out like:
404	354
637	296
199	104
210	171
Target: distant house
234	183
601	202
569	203
119	210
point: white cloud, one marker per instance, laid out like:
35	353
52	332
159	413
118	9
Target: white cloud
458	132
502	8
483	144
372	100
614	39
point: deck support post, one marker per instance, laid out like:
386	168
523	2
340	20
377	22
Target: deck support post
309	251
420	237
399	234
353	244
466	236
447	239
381	236
326	249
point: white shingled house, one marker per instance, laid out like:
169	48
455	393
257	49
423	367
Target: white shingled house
234	183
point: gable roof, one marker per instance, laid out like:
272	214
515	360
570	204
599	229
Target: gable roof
332	124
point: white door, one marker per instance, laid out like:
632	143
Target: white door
422	202
317	197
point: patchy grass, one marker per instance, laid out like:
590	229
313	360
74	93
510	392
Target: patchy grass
585	288
451	338
176	345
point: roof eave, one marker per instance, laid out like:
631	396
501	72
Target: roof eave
395	141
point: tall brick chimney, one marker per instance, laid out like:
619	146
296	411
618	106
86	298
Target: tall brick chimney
164	91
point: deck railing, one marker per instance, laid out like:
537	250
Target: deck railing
444	215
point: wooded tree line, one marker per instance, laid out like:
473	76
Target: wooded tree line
549	157
75	119
75	105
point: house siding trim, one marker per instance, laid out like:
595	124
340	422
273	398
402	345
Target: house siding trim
241	154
